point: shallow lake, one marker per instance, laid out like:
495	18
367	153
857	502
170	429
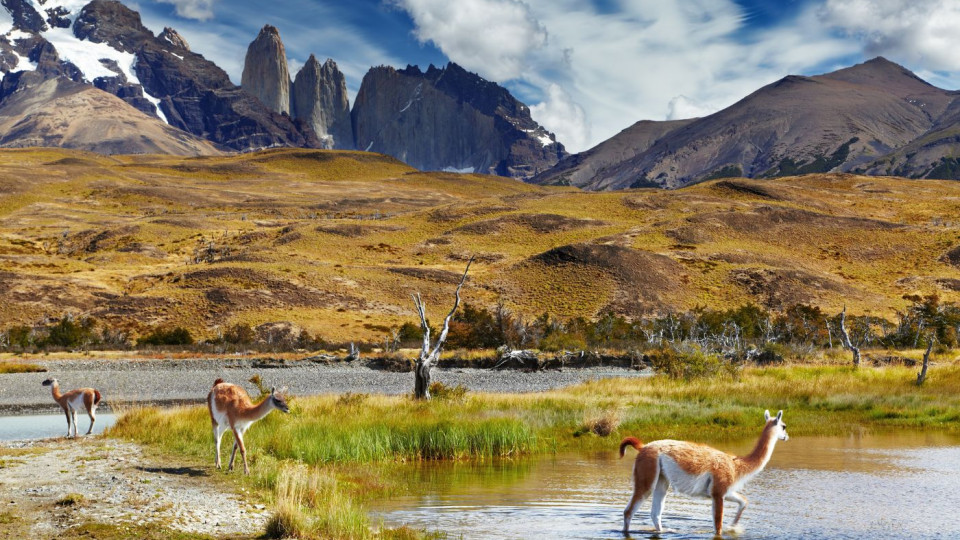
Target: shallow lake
878	486
42	426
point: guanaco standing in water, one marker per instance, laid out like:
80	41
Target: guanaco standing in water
697	470
72	401
231	408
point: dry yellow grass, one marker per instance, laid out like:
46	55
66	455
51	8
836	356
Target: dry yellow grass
335	242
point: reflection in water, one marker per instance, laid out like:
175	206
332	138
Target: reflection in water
42	426
884	486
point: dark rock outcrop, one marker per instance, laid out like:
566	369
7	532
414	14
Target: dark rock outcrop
450	119
320	100
265	73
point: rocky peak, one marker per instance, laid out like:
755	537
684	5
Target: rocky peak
265	73
110	22
320	100
174	38
448	118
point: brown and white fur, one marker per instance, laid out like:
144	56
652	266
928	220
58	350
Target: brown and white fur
74	400
231	408
697	470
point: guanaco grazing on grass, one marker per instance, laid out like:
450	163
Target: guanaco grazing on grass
231	408
72	401
697	470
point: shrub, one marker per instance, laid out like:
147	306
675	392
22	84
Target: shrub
240	334
167	336
602	423
438	390
693	364
560	341
71	333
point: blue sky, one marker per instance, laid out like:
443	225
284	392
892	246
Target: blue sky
588	68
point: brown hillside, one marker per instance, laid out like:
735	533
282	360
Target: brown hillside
335	242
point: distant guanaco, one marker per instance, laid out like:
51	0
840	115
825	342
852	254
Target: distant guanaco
88	398
230	407
697	470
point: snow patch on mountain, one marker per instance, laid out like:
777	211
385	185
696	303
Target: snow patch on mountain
86	55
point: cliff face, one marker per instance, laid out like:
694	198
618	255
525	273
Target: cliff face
265	73
320	100
450	119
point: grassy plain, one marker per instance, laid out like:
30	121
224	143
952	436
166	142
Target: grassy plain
319	465
335	242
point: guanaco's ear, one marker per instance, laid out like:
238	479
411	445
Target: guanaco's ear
273	390
766	416
779	415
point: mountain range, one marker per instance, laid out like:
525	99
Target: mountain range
90	76
874	118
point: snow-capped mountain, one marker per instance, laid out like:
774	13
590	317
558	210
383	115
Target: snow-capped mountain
104	44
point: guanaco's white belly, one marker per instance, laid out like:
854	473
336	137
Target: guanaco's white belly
695	485
76	403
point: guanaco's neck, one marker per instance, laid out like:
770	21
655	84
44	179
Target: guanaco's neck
259	410
55	390
757	458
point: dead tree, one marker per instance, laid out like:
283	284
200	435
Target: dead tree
428	356
845	336
922	376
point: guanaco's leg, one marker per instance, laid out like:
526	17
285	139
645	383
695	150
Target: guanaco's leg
646	470
740	500
92	413
217	435
73	412
659	494
233	454
67	412
718	513
243	450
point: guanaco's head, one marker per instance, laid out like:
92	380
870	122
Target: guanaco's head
50	382
780	429
279	399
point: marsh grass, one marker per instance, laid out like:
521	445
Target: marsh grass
319	463
18	367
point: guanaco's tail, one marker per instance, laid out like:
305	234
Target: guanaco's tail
630	441
96	396
218	381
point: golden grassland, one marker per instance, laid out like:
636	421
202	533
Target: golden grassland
318	466
335	242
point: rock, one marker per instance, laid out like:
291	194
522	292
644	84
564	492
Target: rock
265	73
175	39
320	100
450	119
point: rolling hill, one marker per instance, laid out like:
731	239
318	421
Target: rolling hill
336	241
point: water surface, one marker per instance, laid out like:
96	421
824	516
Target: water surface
882	486
43	426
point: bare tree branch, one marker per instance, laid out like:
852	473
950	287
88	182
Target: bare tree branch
845	337
446	321
922	376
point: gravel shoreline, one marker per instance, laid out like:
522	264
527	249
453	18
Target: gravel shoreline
168	382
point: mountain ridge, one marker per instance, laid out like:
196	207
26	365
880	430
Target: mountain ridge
848	120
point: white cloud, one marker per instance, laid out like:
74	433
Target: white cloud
682	107
491	37
562	116
200	10
920	32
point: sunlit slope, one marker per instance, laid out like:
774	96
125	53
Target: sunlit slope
336	242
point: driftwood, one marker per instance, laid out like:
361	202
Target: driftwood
922	376
428	357
845	337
